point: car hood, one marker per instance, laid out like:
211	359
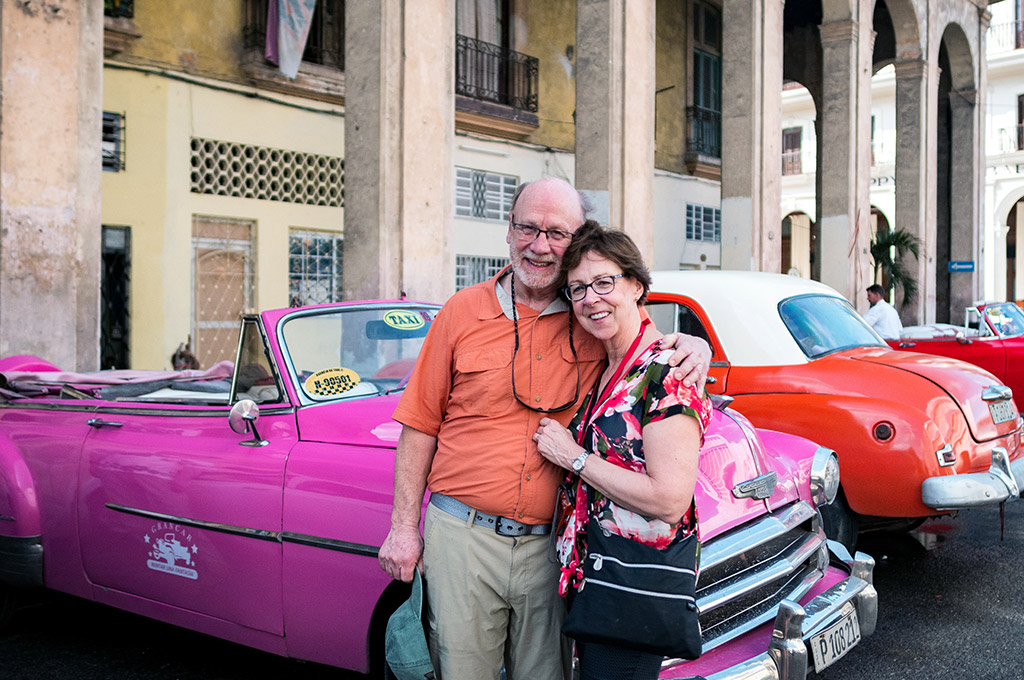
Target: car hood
733	453
963	382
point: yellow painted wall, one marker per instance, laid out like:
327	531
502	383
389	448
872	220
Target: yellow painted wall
153	196
200	37
545	30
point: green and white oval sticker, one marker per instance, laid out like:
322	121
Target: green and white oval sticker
331	382
403	319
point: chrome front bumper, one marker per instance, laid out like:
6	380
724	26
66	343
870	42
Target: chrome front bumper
788	655
1001	482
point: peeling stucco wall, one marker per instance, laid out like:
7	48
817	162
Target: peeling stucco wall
50	74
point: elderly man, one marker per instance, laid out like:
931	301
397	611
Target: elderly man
499	357
882	316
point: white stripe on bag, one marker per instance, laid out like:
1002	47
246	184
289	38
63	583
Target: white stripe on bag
600	558
649	593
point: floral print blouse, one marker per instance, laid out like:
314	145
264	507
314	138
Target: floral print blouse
646	393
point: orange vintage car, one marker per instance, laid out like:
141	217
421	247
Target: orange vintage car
917	435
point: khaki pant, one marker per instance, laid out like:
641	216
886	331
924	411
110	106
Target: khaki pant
490	600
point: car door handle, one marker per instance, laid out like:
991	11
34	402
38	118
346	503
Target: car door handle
908	344
711	380
99	422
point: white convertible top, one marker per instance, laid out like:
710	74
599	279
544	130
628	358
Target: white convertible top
743	308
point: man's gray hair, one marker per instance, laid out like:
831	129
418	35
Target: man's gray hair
586	207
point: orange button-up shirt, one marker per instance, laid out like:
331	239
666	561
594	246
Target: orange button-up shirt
461	392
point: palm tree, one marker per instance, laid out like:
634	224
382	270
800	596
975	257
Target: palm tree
889	250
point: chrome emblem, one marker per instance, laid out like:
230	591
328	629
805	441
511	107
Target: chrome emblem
759	487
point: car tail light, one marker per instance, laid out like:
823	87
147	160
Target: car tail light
883	431
946	455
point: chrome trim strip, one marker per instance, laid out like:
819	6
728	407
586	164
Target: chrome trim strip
761	531
259	534
5	518
330	544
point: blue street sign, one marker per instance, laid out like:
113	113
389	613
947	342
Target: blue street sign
961	265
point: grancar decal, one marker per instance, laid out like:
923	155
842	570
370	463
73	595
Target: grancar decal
171	544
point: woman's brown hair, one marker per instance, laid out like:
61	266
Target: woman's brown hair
611	244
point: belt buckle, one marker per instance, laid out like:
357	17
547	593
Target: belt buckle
513	529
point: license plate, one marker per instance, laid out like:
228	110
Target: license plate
1002	411
834	642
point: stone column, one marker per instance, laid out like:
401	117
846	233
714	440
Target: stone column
915	175
844	165
965	199
752	135
615	114
399	137
50	162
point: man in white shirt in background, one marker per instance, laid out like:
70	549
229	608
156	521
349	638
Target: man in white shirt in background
882	316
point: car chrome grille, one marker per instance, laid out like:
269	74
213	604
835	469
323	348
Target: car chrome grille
747	572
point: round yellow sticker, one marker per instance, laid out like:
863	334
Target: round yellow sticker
403	319
331	381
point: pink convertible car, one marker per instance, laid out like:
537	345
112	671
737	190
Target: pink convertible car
248	501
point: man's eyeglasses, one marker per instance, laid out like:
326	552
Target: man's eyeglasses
530	233
601	285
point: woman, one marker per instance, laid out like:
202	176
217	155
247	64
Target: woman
636	440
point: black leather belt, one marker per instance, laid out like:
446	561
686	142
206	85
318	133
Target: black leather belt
503	526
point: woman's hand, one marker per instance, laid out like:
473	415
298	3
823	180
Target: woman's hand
556	443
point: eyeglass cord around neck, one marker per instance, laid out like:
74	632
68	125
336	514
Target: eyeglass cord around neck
572	348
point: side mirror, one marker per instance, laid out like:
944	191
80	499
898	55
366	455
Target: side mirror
242	419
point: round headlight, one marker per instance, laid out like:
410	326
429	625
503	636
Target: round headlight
824	476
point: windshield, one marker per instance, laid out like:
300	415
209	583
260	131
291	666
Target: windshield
821	324
355	352
1006	318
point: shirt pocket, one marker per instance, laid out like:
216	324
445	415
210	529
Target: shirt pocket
482	384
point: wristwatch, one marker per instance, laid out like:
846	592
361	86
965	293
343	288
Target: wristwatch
577	465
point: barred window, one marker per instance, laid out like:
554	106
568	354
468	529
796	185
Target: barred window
472	269
703	223
484	195
314	267
112	142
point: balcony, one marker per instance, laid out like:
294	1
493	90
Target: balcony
1005	37
496	89
322	71
704	142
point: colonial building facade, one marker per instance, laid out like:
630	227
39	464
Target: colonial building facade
386	166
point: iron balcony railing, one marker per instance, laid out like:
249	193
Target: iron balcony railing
1005	37
492	73
704	131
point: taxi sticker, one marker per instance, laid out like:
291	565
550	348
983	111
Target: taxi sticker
403	319
330	382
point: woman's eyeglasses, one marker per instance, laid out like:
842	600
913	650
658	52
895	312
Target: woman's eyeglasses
601	285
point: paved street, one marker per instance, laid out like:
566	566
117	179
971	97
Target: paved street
948	610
